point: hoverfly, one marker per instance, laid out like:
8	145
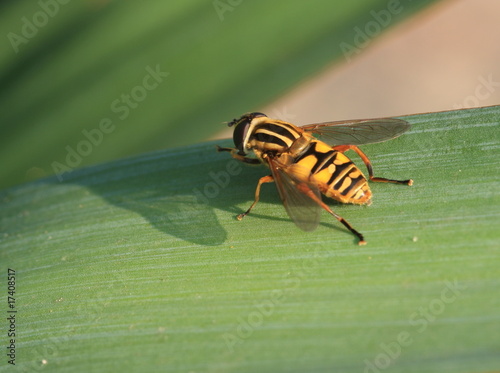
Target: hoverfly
304	166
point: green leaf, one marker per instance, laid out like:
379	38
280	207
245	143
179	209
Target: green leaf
140	264
74	64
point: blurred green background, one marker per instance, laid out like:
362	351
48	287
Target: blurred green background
65	68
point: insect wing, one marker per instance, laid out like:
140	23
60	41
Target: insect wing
292	184
358	132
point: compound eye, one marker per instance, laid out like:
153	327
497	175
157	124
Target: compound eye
239	135
241	130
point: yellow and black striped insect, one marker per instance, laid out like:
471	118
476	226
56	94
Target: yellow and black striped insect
304	166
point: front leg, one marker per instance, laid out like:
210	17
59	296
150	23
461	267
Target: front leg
239	157
262	180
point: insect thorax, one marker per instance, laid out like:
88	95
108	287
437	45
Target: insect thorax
276	136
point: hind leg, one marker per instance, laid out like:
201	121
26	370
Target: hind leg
368	164
307	191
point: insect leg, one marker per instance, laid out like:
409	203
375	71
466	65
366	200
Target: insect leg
343	148
305	189
237	156
221	149
262	180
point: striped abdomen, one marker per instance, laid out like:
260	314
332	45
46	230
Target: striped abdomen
336	175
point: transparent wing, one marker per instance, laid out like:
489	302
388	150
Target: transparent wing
358	132
293	182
